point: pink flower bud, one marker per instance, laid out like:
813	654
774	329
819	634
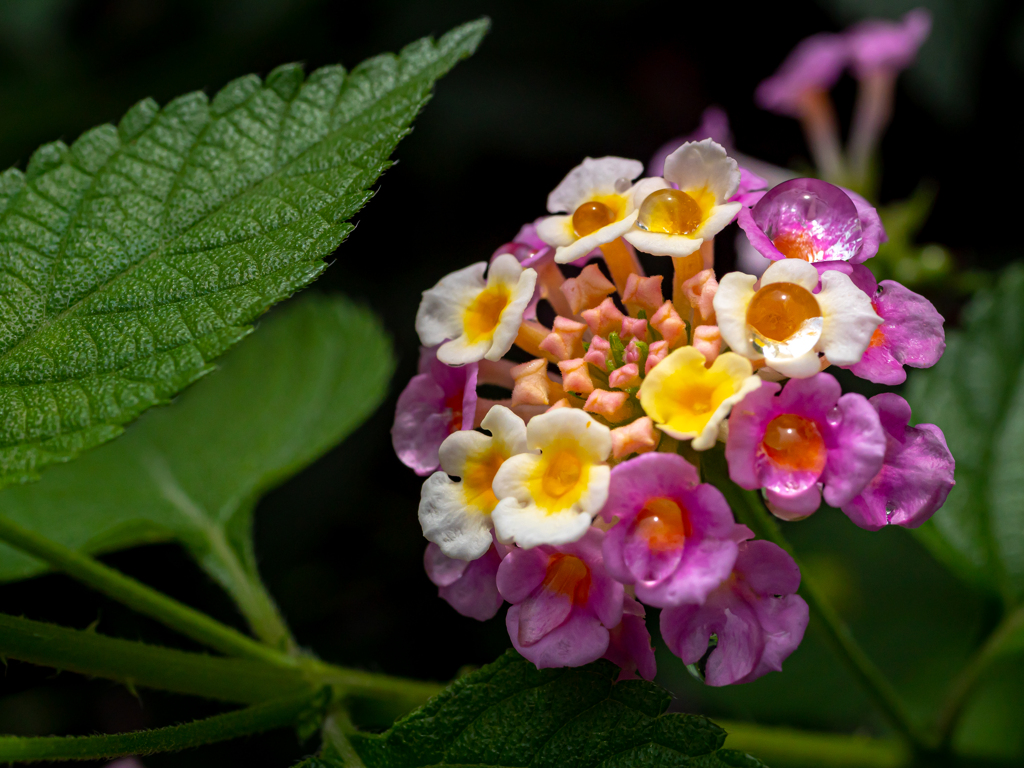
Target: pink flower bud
612	405
708	341
635	437
576	376
531	383
587	290
604	318
643	293
668	323
565	340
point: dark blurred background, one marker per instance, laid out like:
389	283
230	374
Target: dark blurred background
339	545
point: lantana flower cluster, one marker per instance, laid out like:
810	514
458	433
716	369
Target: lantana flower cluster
578	498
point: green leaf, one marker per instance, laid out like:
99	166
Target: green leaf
193	470
133	258
976	395
279	713
509	713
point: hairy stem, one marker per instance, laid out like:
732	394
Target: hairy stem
279	713
963	686
336	730
138	596
750	510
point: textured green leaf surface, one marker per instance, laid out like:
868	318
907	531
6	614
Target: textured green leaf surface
509	713
192	470
134	257
976	395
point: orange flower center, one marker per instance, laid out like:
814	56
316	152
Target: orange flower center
779	310
664	524
568	575
795	443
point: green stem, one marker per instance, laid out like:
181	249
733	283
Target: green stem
244	681
279	713
247	590
138	596
804	749
963	686
751	511
337	728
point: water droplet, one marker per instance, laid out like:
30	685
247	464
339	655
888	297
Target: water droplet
817	216
890	510
835	417
622	186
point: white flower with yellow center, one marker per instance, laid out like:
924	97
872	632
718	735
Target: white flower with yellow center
595	200
689	401
456	514
552	497
475	318
674	222
787	324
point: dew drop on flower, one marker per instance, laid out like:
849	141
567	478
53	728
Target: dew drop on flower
590	217
670	212
779	310
622	186
663	524
835	417
795	443
811	220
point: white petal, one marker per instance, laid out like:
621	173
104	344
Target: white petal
459	351
460	446
512	315
731	301
592	177
703	164
507	430
795	271
504	270
593	438
718	218
849	319
531	526
660	244
802	367
583	246
556	230
439	316
461	532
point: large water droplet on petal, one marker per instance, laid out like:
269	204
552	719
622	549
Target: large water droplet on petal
811	220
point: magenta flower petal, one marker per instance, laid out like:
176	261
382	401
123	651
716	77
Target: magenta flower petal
856	449
872	232
914	480
841	447
629	644
815	64
758	619
877	45
468	587
911	334
580	640
436	402
674	537
564	602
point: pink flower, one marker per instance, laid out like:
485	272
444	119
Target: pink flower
436	402
880	45
675	538
911	332
468	586
629	644
815	64
793	443
758	619
815	221
914	480
563	602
